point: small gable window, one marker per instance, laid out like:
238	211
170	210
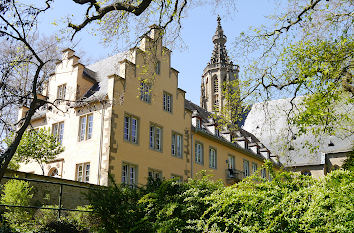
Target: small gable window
61	93
198	125
167	102
145	91
158	67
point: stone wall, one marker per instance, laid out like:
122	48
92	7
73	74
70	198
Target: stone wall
47	192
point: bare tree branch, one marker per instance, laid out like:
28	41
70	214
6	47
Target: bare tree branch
102	11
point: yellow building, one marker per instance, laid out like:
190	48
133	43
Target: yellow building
125	116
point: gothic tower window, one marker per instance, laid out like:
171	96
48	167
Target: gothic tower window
216	104
216	85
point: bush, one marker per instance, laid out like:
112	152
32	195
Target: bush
43	217
18	192
83	220
117	207
289	203
61	226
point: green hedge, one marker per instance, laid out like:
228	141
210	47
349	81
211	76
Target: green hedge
289	203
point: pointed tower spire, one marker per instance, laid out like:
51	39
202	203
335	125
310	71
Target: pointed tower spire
219	54
218	71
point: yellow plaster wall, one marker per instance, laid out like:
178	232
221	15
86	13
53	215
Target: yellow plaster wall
223	152
140	154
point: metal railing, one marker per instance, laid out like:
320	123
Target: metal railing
60	206
234	174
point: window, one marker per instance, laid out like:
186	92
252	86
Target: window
178	178
176	148
83	172
198	125
61	93
58	131
264	173
129	172
212	158
216	85
231	162
167	102
155	137
131	128
154	174
145	91
199	153
158	67
246	168
254	168
216	105
217	132
86	127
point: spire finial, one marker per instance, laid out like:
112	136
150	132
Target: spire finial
218	19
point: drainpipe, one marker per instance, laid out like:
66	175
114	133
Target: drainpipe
191	154
100	147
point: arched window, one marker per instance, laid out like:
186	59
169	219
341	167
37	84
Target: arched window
53	172
216	85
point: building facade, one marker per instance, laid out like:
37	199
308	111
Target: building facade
125	116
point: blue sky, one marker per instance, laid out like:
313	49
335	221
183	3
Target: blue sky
198	28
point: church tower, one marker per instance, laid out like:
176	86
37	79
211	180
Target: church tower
218	71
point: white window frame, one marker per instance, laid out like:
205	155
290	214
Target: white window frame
129	174
58	131
130	128
61	92
212	158
177	145
231	162
145	91
155	174
254	168
167	102
199	155
83	175
178	178
246	168
85	127
155	137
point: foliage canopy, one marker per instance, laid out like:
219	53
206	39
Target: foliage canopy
39	145
289	203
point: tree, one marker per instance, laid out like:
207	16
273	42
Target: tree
24	68
306	49
39	145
